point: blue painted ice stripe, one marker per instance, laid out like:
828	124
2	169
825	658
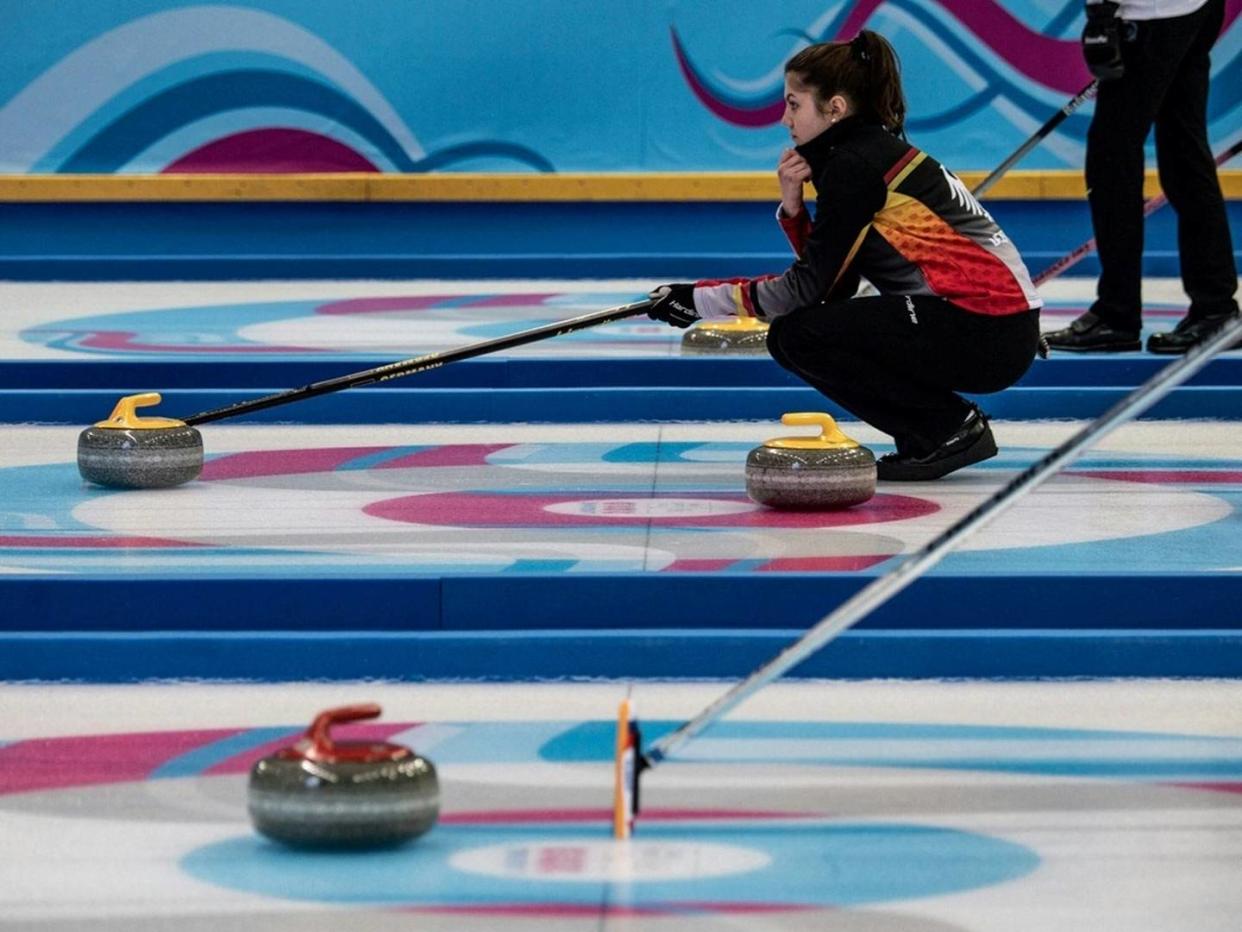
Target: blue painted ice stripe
748	565
642	604
1147	770
343	635
740	730
373	460
261	263
655	452
1031	752
819	738
561	240
541	566
1060	633
192	369
1159	769
1049	752
417	405
740	599
490	742
631	655
577	634
208	755
823	863
459	300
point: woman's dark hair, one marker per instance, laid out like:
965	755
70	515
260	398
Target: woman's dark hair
865	70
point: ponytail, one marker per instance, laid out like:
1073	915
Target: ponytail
865	70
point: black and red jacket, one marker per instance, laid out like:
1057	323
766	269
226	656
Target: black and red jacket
887	212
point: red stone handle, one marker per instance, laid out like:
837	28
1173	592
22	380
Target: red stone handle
318	733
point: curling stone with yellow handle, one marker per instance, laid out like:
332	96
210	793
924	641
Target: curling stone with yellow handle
741	335
131	452
820	473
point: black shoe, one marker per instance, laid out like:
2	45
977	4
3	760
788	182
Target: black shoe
972	443
1091	334
1188	333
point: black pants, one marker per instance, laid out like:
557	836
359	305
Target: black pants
898	363
1166	83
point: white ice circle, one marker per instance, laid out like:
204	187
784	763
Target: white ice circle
630	508
577	861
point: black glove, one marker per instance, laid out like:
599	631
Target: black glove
674	304
1101	40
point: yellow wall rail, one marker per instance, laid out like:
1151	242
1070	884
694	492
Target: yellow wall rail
454	186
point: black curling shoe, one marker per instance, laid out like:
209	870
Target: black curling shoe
972	443
1188	333
1091	334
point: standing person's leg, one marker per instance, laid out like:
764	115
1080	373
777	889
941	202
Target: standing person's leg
1188	176
1125	109
897	363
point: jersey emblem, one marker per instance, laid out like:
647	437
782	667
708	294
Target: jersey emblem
961	194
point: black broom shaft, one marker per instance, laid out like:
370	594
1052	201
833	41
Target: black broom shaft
396	370
1150	206
1041	134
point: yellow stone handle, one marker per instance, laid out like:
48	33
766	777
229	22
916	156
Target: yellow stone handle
733	324
124	416
751	323
830	436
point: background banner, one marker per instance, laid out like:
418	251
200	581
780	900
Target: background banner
140	86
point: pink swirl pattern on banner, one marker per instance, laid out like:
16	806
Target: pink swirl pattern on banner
272	151
1055	63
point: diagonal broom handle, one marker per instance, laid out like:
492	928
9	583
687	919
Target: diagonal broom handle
1039	136
396	370
883	588
1150	206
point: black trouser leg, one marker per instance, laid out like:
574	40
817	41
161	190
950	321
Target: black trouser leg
1188	176
1165	70
898	363
1124	111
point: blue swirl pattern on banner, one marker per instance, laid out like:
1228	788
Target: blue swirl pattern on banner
277	85
157	116
162	114
768	108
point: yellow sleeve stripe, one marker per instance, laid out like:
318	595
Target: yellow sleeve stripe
905	172
740	304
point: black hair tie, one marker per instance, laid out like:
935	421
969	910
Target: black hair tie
858	48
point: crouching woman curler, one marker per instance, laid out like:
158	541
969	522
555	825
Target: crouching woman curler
955	309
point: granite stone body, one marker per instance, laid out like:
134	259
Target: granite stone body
810	479
706	339
140	458
316	803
